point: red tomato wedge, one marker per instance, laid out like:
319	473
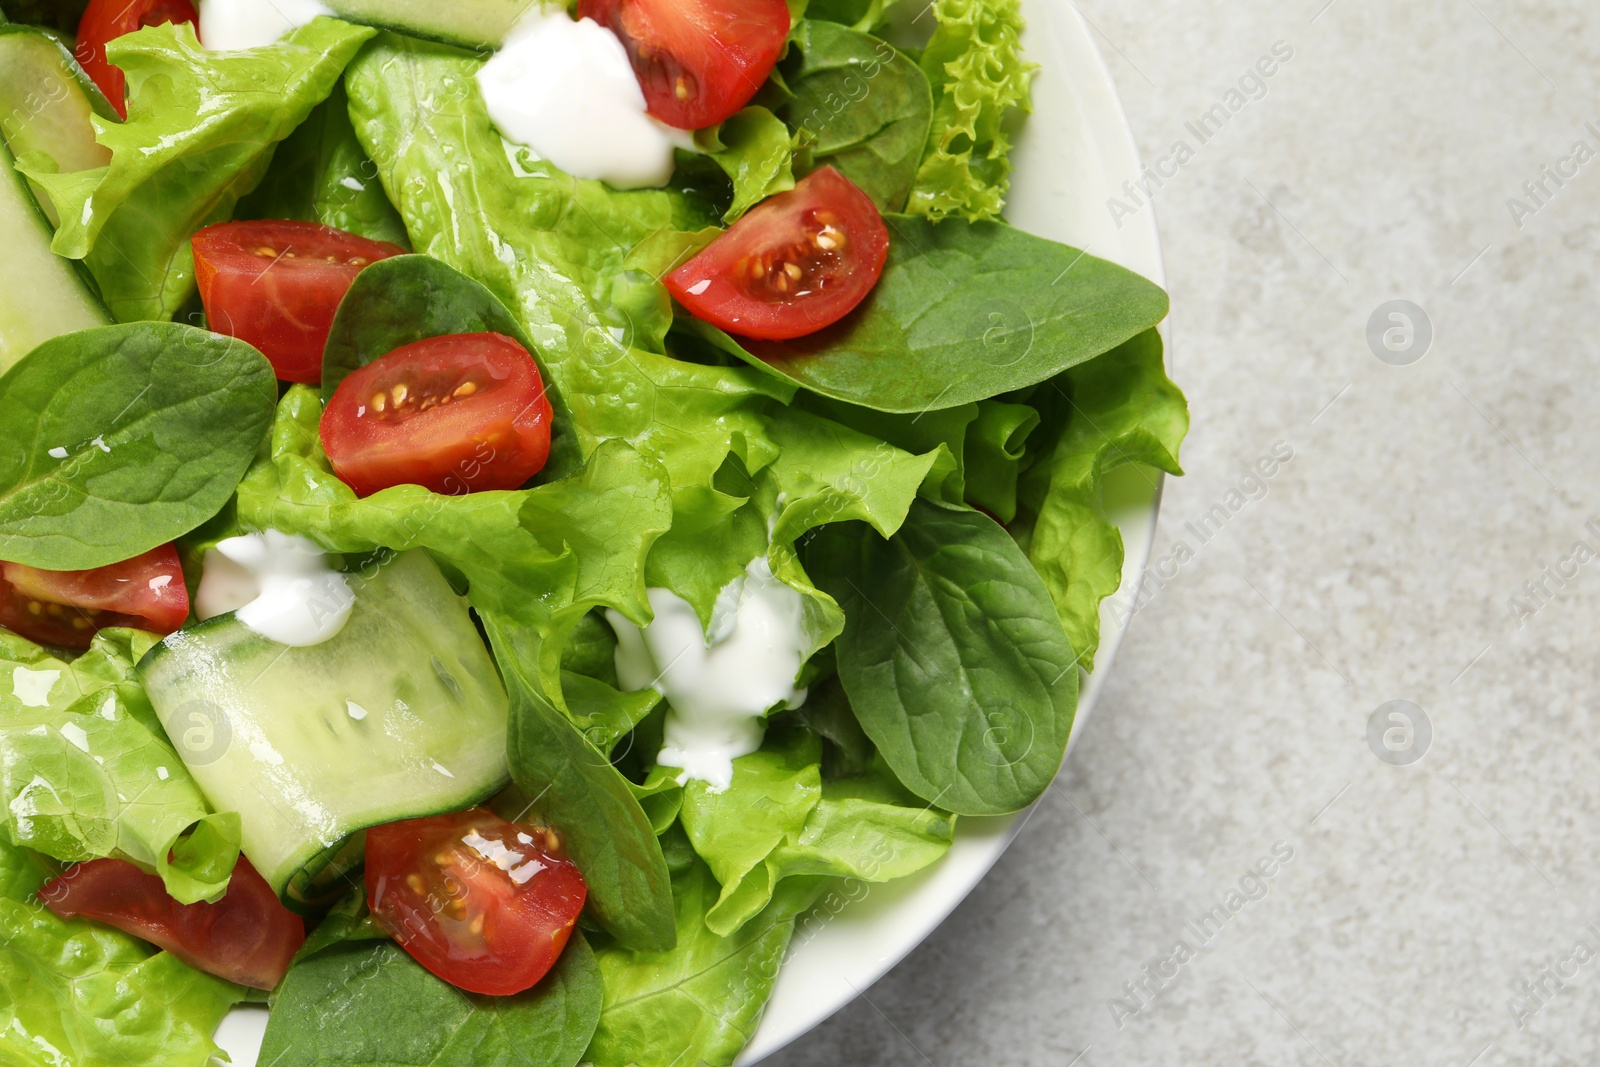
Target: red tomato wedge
456	414
698	61
277	284
485	904
67	608
105	20
246	937
797	262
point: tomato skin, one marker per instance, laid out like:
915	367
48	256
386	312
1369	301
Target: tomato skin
247	937
795	263
67	608
104	21
276	284
485	904
455	414
698	61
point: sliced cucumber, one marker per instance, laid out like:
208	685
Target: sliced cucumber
469	23
401	715
46	102
41	295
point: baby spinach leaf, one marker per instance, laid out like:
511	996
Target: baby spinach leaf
863	107
952	657
407	298
576	789
754	149
964	311
118	439
367	1002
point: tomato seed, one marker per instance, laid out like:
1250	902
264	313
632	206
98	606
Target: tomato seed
465	389
414	883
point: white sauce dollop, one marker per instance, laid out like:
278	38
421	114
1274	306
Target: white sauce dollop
280	586
234	25
721	684
565	89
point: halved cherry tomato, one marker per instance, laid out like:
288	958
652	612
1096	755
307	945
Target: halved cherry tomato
66	608
247	937
799	261
276	285
485	904
106	20
455	414
698	61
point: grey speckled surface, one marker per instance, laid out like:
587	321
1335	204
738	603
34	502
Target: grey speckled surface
1379	565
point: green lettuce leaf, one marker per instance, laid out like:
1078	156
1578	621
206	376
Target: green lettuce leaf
993	453
756	151
700	1002
320	174
975	65
1120	408
86	770
200	133
556	251
77	994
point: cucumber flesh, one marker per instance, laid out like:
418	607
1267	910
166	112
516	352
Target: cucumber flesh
44	295
476	24
401	715
46	104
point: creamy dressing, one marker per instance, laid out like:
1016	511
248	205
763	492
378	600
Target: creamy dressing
722	681
279	585
234	25
565	89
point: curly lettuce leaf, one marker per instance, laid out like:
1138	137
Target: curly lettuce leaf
974	62
200	134
1100	415
993	454
86	770
77	994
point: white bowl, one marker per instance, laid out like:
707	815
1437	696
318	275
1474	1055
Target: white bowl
1072	155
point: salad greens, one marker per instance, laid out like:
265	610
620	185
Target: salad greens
86	770
200	134
73	992
127	436
926	476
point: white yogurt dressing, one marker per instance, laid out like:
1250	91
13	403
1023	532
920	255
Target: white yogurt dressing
565	89
281	586
719	684
234	25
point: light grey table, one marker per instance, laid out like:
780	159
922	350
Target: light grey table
1431	540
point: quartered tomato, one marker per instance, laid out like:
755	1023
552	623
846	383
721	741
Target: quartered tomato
455	414
797	262
247	937
277	284
485	904
698	61
66	608
106	20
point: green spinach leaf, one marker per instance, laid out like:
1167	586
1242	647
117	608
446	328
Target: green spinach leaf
407	298
367	1002
952	657
860	105
575	787
964	311
118	439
